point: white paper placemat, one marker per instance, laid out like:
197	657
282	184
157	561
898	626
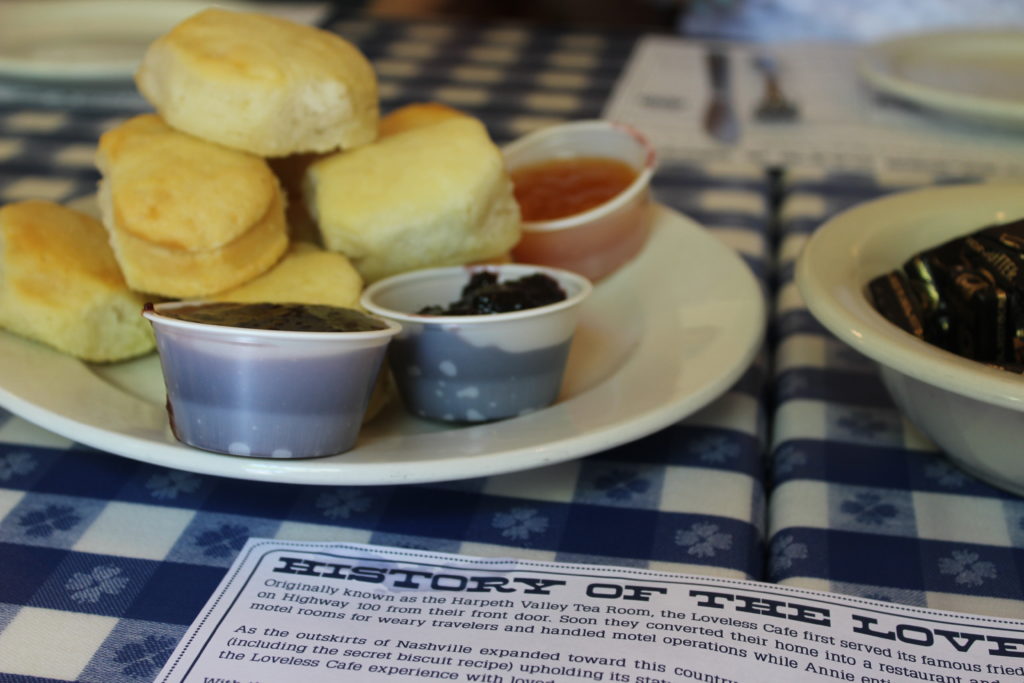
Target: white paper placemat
290	611
842	124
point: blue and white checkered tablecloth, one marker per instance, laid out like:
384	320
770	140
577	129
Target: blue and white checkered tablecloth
861	503
107	560
803	473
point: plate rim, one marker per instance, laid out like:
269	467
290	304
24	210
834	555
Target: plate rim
164	13
845	311
871	67
749	334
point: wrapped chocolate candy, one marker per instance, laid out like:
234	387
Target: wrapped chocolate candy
930	273
999	250
978	306
894	298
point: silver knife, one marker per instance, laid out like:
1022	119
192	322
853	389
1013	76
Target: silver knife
720	117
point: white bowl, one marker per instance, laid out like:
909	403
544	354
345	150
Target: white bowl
596	242
974	412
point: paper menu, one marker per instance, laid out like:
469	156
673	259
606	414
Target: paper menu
289	611
842	126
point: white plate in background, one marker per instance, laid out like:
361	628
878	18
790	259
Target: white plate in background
975	74
84	40
658	340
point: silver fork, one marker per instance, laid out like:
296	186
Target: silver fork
774	105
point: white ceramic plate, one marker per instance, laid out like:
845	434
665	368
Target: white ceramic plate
658	340
976	75
75	40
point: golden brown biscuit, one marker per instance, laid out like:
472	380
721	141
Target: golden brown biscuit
60	284
415	115
261	84
306	275
187	217
180	273
178	191
429	196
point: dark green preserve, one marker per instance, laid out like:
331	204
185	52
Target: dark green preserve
278	316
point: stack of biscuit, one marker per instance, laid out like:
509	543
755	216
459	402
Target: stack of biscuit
266	174
188	195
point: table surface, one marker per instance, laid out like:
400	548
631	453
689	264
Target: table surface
803	473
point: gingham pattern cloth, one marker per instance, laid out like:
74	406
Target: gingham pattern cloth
861	503
107	560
